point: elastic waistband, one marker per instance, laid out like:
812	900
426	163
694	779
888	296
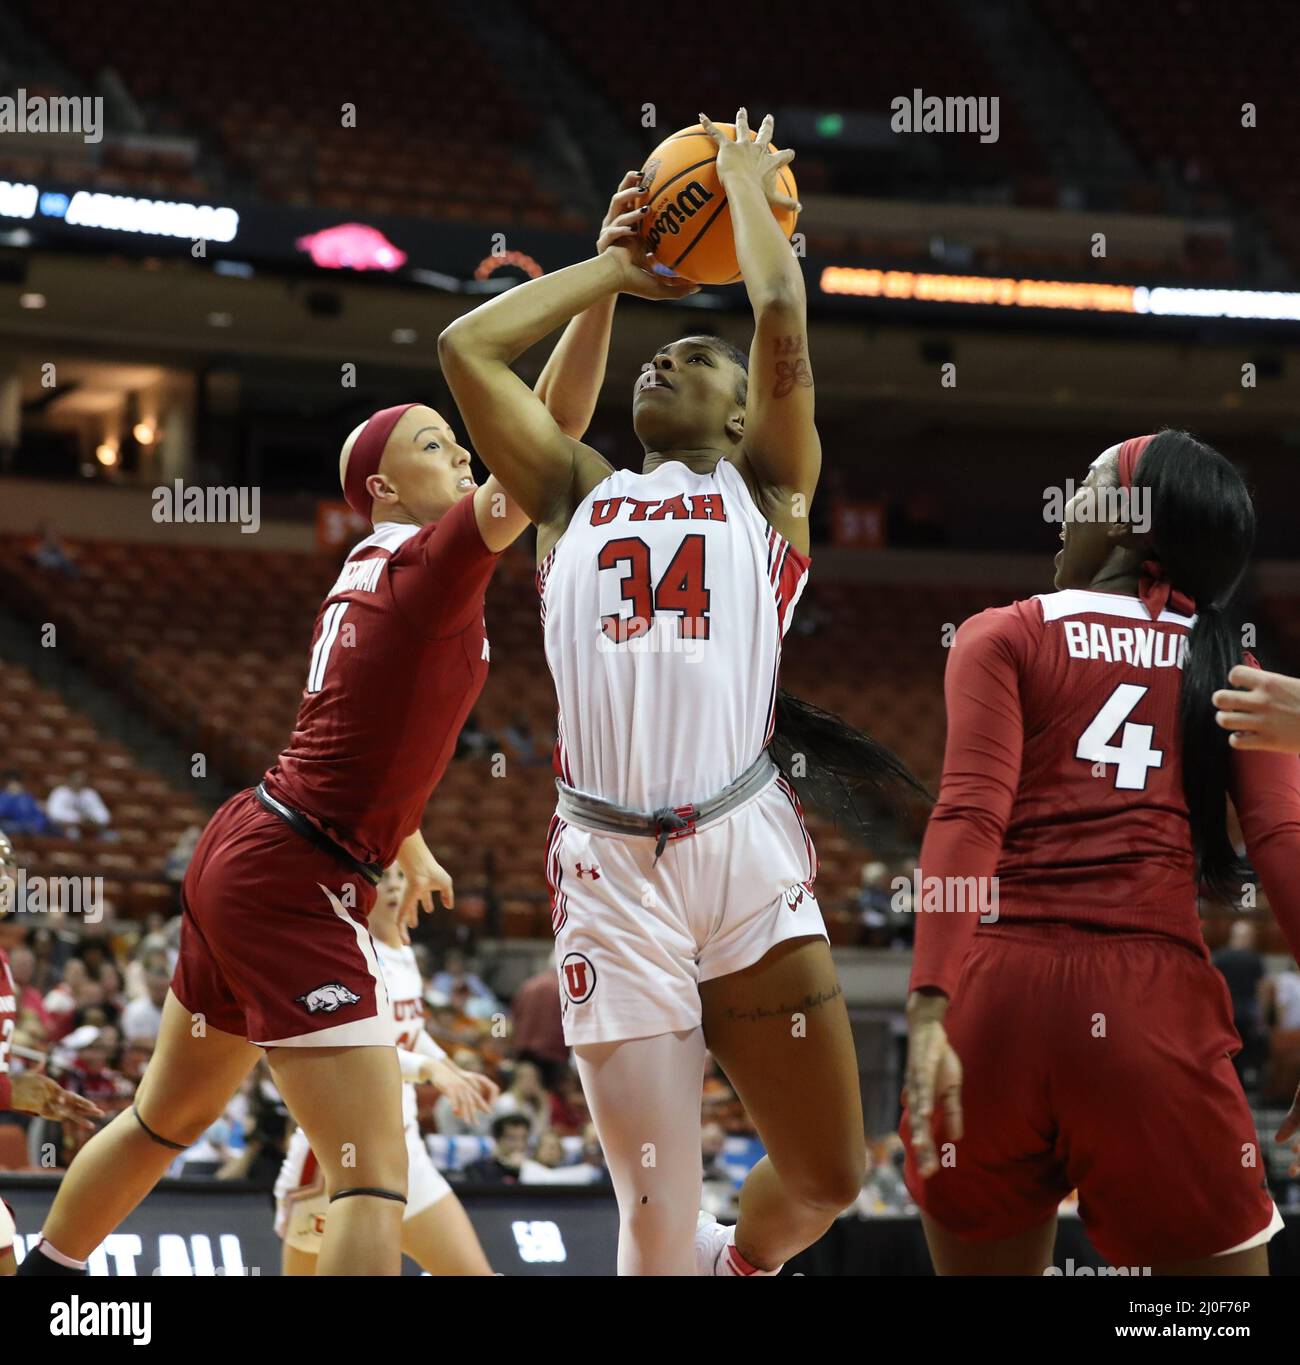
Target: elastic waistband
1059	934
303	827
668	822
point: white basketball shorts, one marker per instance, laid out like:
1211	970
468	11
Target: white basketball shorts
301	1202
634	938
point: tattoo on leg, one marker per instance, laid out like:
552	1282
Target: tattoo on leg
809	1002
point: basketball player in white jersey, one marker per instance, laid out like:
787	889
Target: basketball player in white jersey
436	1232
680	869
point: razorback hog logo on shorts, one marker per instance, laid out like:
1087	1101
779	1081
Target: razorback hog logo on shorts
579	977
326	999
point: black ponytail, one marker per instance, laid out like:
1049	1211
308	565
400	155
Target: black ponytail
838	772
1202	532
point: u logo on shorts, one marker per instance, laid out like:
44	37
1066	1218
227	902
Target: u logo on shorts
579	977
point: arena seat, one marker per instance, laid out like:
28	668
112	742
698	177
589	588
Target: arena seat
283	65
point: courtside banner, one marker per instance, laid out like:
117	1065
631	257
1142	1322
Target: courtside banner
223	1228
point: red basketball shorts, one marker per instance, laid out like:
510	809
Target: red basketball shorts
274	944
1099	1062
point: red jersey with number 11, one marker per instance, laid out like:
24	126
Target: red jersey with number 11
399	655
1063	776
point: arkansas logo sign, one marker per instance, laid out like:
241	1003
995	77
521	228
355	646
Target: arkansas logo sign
328	998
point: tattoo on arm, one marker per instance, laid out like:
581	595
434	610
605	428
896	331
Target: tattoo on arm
791	366
809	1002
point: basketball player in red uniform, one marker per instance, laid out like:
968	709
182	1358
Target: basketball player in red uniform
29	1091
274	949
682	889
1079	1037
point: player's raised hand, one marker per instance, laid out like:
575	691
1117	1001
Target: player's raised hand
1264	711
933	1072
425	878
621	233
41	1095
746	154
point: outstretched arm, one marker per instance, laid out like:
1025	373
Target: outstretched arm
512	430
781	447
570	382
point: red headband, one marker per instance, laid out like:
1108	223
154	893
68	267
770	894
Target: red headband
367	451
1155	590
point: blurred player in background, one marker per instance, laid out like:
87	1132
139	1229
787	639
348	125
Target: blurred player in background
28	1091
680	869
436	1232
274	950
1088	1041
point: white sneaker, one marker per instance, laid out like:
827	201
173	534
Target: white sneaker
711	1240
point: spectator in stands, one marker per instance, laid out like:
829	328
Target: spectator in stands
474	740
549	1165
520	738
142	1017
717	1189
1280	1011
526	1096
162	935
718	1102
265	1122
178	860
449	1123
91	1075
874	895
22	966
883	1190
109	981
538	1025
1281	997
569	1112
213	1155
447	1026
20	811
510	1135
51	554
1242	968
455	978
53	946
712	1140
74	804
64	999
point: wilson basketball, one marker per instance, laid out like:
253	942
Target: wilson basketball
688	227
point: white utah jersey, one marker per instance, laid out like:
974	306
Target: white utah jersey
664	605
406	993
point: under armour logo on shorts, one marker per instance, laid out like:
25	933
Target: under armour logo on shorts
326	999
594	869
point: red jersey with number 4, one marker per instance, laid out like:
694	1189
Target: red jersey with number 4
398	658
1063	776
8	1022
